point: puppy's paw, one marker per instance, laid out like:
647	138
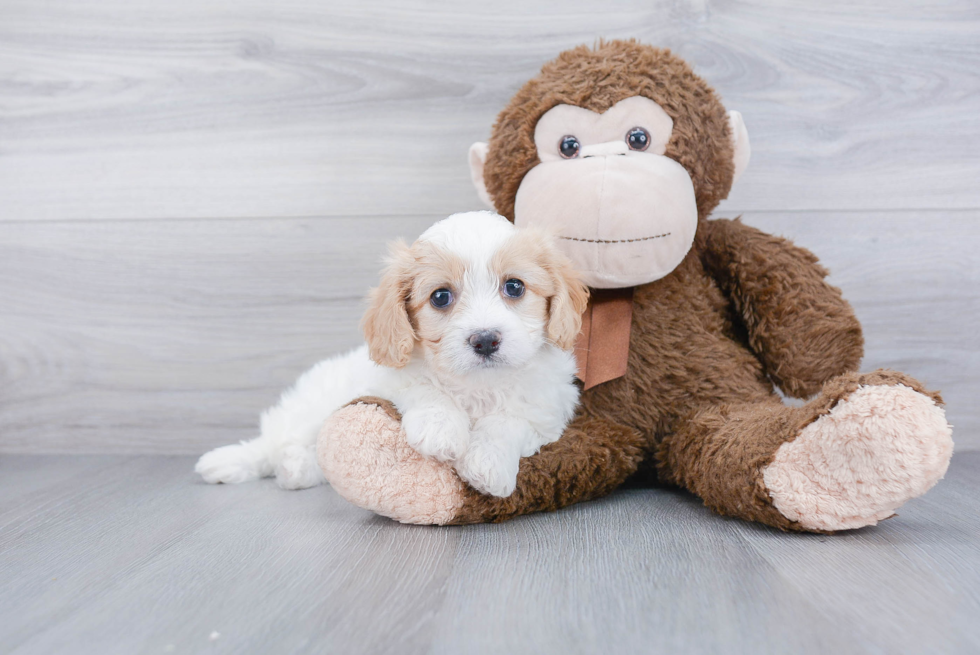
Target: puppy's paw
231	465
436	432
298	468
489	468
516	435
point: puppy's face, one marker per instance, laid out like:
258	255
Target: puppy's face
474	293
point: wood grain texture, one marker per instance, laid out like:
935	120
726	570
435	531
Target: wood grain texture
171	336
96	559
136	109
164	336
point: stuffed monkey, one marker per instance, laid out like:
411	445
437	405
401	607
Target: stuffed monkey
623	152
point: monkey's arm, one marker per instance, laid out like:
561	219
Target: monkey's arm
800	327
364	455
592	458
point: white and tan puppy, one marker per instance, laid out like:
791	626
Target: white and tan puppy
469	334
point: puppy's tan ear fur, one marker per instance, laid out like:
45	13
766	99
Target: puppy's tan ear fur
568	304
387	327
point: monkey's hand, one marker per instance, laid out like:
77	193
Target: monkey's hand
800	327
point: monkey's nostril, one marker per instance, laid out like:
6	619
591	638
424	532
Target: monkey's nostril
485	342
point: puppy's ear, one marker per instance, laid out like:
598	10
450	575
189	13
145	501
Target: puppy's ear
387	328
568	304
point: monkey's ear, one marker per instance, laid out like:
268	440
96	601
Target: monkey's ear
740	140
478	158
387	328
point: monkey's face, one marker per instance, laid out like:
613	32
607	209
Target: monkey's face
619	150
624	213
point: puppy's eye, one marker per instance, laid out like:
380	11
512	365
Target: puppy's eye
441	298
513	288
569	146
638	139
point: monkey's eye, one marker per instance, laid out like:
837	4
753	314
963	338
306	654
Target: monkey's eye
638	139
513	288
441	298
569	147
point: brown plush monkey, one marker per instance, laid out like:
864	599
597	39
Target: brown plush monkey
623	152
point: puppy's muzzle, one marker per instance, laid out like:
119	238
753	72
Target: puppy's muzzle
485	343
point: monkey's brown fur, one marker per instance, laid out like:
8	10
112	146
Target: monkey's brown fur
743	311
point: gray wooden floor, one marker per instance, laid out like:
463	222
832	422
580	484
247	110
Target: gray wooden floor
115	554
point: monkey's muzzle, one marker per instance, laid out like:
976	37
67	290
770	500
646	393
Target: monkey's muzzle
623	219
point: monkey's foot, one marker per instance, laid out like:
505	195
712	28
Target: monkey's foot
877	448
364	455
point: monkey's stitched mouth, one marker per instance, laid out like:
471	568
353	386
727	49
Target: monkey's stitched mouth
655	236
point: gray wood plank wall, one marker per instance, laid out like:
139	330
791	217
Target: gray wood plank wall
194	196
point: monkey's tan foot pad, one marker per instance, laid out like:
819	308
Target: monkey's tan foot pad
365	458
876	449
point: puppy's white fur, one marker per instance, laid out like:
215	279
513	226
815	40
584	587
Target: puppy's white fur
481	414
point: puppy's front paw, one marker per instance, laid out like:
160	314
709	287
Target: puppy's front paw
436	432
489	469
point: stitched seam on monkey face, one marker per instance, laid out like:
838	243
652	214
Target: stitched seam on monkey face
656	236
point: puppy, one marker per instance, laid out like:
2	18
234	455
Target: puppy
469	334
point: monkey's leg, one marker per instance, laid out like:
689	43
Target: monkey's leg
365	457
848	458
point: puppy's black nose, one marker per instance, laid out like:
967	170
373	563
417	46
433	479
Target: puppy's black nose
485	343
